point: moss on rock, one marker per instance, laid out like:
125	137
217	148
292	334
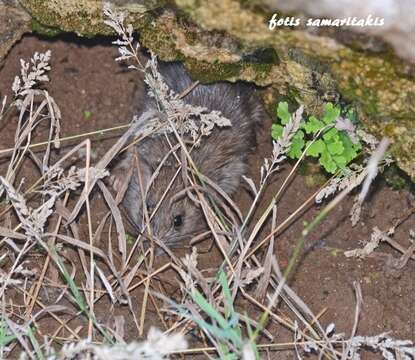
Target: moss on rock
40	29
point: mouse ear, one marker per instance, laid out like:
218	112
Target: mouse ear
225	172
130	176
127	168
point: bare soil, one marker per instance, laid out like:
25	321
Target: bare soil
94	92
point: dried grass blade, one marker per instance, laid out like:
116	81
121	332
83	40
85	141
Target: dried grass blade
8	233
9	242
84	246
116	214
229	201
64	212
266	276
359	303
106	283
107	158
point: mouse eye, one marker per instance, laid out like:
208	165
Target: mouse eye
177	221
150	207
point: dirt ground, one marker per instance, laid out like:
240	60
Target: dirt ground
94	92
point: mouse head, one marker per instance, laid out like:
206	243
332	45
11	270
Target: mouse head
157	184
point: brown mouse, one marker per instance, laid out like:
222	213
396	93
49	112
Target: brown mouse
221	156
